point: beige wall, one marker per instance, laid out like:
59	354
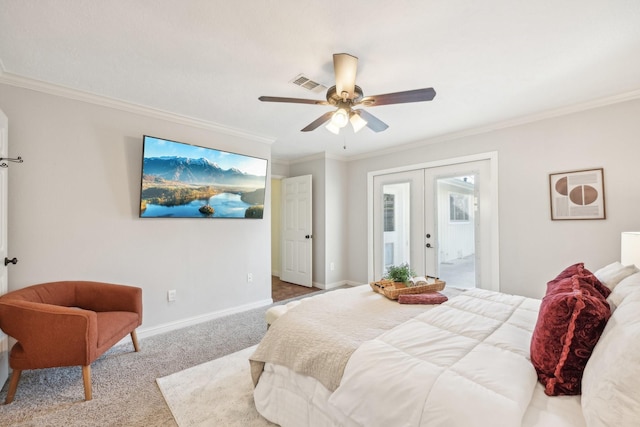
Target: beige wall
73	205
533	249
74	212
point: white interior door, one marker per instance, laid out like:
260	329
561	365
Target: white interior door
4	341
296	231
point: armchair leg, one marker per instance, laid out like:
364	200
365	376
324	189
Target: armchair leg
13	386
134	338
86	377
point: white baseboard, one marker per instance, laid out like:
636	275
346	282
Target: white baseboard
143	332
331	285
352	283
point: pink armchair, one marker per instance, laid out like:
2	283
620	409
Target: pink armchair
67	323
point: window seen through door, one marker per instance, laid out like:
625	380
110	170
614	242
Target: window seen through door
389	212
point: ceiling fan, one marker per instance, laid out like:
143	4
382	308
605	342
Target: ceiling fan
346	95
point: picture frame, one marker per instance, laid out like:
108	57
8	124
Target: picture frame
577	194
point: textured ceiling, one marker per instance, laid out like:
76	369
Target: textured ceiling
490	62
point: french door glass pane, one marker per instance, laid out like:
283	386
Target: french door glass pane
397	224
456	230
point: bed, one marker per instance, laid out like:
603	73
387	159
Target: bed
351	357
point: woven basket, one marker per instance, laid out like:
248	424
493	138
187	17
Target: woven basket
393	290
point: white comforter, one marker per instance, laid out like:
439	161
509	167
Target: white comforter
462	364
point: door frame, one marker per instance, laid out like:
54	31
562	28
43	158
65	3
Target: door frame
494	252
4	274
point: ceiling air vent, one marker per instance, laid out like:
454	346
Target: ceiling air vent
307	83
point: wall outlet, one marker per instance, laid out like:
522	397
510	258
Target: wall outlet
332	266
249	277
171	295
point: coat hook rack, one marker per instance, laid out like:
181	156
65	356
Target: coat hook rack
5	165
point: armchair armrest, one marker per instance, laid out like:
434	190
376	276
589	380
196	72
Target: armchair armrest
50	335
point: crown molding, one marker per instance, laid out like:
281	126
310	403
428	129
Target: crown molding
65	92
129	107
317	156
545	115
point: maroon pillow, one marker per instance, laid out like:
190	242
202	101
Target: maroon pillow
572	270
571	319
588	276
588	283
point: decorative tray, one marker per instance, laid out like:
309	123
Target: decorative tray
392	290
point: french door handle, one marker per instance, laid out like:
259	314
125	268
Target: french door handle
429	245
308	236
8	261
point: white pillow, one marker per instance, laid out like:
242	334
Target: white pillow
611	379
613	273
623	289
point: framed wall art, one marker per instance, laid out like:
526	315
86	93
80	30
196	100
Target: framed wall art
577	194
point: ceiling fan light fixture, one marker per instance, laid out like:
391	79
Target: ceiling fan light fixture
357	122
340	118
346	95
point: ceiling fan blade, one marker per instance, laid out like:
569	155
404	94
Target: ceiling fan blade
292	100
345	67
318	122
373	123
416	95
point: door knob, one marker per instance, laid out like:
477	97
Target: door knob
308	236
8	261
429	245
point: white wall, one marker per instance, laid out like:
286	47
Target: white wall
74	202
336	223
533	249
279	169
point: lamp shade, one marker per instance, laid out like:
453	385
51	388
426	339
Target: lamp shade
332	128
630	248
340	118
357	122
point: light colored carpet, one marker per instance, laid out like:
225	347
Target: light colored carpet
125	392
215	393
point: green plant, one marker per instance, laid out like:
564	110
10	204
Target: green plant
400	273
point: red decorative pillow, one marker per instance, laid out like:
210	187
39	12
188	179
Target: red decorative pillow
571	319
426	298
588	276
593	280
572	270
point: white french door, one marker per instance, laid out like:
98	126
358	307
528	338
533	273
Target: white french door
296	241
439	220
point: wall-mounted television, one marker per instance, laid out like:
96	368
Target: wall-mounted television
181	180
